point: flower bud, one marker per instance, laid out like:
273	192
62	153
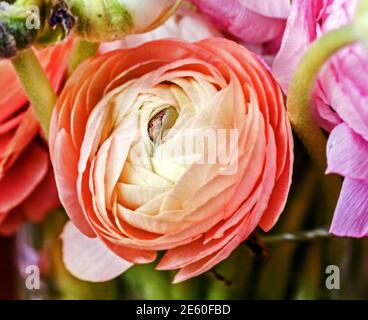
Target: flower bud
26	23
360	22
108	20
13	32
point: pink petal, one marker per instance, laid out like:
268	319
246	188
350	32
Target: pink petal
342	84
279	196
42	200
270	8
23	177
89	259
300	31
22	136
182	256
9	222
65	163
347	153
12	97
239	20
351	215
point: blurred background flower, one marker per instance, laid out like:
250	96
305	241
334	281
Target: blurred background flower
340	101
8	269
258	24
27	182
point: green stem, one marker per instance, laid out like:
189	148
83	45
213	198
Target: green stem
144	282
281	253
232	277
187	290
310	282
308	235
82	51
36	85
301	87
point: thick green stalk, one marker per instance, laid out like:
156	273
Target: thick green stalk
310	279
301	87
299	236
37	86
187	290
82	51
236	274
144	282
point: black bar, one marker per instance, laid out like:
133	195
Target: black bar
130	309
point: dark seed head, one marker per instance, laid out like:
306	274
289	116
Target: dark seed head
8	46
155	124
61	15
161	122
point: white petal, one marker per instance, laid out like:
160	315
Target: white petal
89	259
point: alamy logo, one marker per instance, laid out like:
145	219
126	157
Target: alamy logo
33	278
33	19
333	280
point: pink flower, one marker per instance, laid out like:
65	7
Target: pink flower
258	24
131	183
340	102
27	186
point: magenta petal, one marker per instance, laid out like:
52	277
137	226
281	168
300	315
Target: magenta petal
65	160
347	153
351	215
238	19
269	8
89	259
42	200
300	31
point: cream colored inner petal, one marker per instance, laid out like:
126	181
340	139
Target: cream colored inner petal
134	196
155	178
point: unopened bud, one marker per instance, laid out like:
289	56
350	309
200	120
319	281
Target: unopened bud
108	20
360	22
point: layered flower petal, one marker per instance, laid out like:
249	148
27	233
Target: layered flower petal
347	153
259	24
351	218
175	146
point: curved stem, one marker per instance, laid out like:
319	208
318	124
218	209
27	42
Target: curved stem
308	235
360	21
82	51
37	86
302	84
281	253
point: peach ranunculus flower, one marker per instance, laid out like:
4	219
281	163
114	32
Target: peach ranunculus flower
113	133
27	185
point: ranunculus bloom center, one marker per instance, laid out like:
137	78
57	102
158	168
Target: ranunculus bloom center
170	146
